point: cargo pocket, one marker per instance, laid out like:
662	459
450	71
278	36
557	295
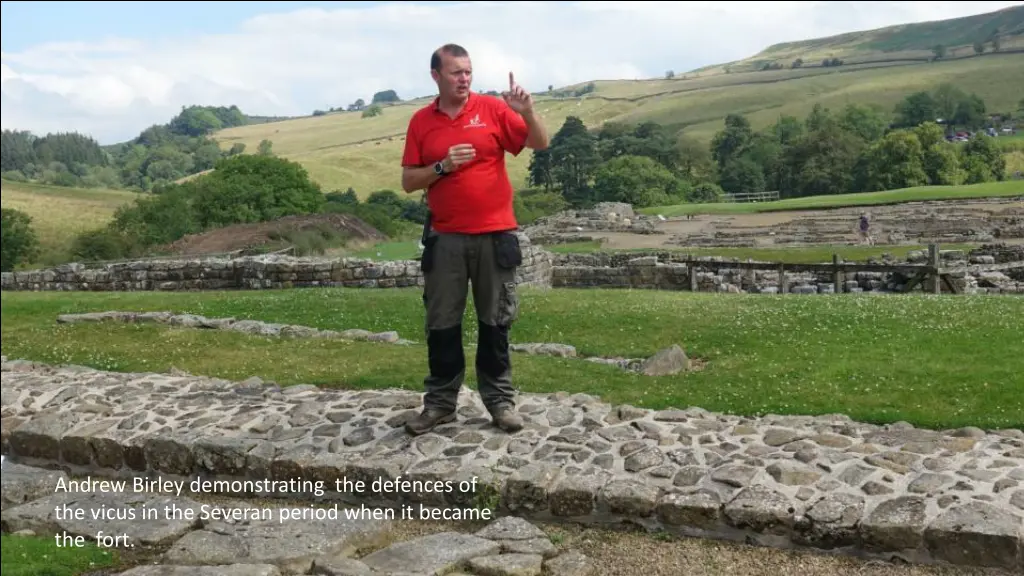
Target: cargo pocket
508	305
427	258
507	253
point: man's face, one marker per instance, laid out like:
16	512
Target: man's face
455	77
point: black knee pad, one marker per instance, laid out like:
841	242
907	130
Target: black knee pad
445	352
492	349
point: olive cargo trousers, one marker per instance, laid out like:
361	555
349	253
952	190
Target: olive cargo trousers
450	263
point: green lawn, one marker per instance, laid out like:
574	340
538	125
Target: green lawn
35	556
935	361
1009	188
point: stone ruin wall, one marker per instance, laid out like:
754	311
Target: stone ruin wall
573	225
657	270
250	273
664	270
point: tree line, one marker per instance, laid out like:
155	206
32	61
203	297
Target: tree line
159	155
859	148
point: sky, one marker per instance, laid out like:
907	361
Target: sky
111	70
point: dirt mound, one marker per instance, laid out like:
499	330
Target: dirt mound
245	236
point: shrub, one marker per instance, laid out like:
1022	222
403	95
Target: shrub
19	243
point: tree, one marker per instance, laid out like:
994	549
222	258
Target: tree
705	193
647	139
195	121
347	197
819	119
939	51
373	110
241	189
742	176
866	122
983	160
822	162
947	97
915	109
574	159
896	161
385	96
732	141
942	165
970	112
540	170
17	151
929	134
637	180
787	130
18	241
979	47
266	148
695	161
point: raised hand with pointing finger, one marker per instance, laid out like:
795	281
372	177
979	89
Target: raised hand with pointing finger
517	97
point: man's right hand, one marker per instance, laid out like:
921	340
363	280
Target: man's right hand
459	155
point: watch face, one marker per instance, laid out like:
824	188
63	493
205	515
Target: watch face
439	168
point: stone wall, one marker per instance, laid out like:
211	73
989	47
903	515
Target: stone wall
665	270
572	225
824	483
654	270
251	273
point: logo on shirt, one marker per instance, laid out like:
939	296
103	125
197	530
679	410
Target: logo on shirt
475	122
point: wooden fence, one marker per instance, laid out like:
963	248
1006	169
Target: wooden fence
752	197
932	276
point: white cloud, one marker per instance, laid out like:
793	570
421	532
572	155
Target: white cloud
293	63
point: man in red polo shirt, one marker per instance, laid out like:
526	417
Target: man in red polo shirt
455	150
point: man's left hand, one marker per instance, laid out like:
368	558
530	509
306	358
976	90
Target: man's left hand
517	97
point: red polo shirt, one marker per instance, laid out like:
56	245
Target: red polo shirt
477	197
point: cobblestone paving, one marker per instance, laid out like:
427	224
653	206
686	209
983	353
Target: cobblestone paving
826	482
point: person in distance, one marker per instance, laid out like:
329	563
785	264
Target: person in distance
455	150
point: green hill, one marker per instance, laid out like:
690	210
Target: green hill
344	149
959	37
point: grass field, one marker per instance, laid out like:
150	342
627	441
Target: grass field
59	213
33	556
1015	162
1005	189
343	149
936	361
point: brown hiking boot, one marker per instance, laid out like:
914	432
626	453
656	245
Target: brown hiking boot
425	421
508	420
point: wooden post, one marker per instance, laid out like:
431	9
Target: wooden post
837	274
933	261
782	279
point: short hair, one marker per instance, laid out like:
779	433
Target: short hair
450	49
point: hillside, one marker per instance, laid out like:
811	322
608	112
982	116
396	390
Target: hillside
958	37
59	213
343	149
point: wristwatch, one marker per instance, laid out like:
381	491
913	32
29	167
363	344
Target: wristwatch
439	168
